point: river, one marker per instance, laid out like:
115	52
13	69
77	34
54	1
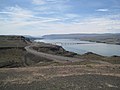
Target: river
81	47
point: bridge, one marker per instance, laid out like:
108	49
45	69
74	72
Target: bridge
65	43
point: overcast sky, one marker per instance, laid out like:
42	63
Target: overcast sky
40	17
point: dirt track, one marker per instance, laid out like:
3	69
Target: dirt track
56	57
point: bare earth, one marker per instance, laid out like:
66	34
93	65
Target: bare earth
70	77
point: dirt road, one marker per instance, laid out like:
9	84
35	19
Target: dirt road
56	57
50	56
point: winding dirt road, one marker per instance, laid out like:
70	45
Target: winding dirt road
50	56
56	57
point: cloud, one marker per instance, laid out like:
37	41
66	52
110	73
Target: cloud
71	15
20	14
22	21
52	6
16	18
16	13
51	18
39	2
88	25
102	10
42	2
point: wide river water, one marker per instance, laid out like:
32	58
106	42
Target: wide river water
81	47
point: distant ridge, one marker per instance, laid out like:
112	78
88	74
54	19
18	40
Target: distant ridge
78	36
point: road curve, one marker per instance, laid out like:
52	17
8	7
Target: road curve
50	56
56	57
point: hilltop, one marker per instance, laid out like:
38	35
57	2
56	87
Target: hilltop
13	53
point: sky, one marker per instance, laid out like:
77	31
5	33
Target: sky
41	17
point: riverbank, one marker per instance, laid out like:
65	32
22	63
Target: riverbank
87	57
82	47
17	56
106	40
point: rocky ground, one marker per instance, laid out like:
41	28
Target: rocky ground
70	77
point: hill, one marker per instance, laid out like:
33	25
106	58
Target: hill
100	38
13	53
